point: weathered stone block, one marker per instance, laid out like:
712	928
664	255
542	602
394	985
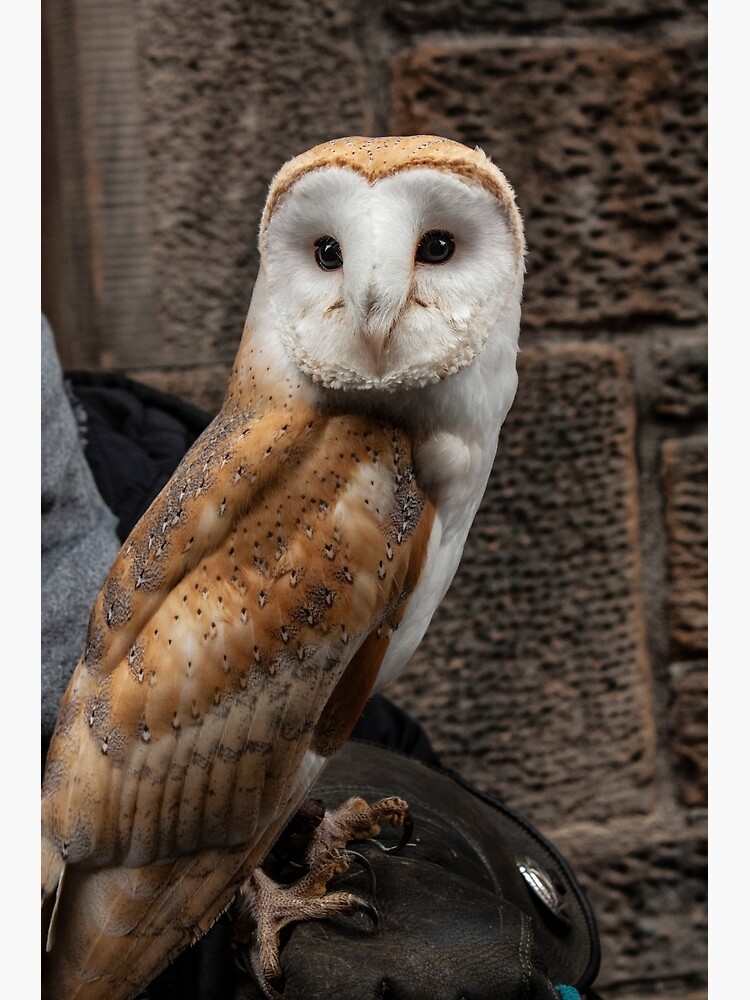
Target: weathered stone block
689	719
682	371
649	894
230	92
685	465
606	147
532	680
527	15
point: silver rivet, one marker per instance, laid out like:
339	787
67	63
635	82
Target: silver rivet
541	885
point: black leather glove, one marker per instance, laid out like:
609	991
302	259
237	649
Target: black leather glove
477	905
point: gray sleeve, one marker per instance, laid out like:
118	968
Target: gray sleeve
79	540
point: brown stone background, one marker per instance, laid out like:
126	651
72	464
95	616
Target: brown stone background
566	670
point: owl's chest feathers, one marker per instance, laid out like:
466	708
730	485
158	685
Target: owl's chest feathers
453	472
258	497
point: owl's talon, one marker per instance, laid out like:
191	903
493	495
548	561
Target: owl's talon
406	832
356	820
364	863
369	909
264	908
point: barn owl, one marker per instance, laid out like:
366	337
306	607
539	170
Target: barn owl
293	562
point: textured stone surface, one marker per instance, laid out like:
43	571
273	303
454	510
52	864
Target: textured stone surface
689	723
650	899
532	679
673	990
682	370
606	147
685	464
669	991
525	15
231	91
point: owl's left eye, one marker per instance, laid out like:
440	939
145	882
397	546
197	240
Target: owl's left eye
435	247
328	253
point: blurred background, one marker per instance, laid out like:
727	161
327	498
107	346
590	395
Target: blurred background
565	672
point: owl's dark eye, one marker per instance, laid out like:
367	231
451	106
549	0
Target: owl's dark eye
435	247
328	253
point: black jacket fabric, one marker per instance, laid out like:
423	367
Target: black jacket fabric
134	439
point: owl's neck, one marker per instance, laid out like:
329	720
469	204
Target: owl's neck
263	377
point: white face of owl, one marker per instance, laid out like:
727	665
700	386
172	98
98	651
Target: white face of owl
388	285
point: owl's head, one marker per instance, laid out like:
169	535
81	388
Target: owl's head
390	263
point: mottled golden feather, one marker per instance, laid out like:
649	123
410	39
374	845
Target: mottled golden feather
185	727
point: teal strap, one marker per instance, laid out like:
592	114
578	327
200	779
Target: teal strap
568	993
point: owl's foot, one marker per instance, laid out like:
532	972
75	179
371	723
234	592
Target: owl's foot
356	820
265	908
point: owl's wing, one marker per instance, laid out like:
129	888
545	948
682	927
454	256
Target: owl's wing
231	650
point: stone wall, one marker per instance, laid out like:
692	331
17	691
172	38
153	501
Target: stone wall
566	670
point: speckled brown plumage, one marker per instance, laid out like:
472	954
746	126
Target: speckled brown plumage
215	654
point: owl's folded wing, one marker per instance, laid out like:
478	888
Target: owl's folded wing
231	651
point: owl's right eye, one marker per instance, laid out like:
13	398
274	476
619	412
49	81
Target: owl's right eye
328	253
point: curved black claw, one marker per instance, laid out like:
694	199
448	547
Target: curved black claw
406	831
362	860
364	906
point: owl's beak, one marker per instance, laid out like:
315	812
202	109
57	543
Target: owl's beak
379	323
375	295
376	341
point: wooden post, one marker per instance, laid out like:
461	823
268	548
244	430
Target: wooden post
97	274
